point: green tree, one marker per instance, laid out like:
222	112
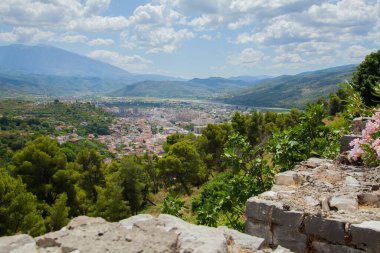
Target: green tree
110	203
37	164
58	213
184	164
172	205
91	169
366	77
18	208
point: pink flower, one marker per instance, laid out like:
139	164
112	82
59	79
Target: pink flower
371	127
356	152
356	141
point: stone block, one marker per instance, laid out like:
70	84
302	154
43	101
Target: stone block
17	244
330	230
288	178
242	241
368	199
259	229
289	238
259	209
322	247
366	236
345	202
345	142
129	222
289	219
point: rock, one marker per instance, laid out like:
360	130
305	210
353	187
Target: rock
311	201
325	204
280	249
329	230
289	219
259	209
17	244
287	178
314	162
129	222
352	182
259	229
345	202
368	199
271	195
242	242
83	235
290	238
366	236
192	238
321	247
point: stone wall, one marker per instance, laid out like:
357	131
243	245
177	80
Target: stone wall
320	206
137	234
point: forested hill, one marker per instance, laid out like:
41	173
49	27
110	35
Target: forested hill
293	90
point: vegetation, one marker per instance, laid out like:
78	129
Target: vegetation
208	178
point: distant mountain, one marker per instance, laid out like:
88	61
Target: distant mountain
293	90
47	60
197	88
250	79
163	89
47	70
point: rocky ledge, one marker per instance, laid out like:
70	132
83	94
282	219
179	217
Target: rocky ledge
141	233
320	206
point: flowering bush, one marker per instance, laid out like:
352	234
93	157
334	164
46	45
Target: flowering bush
367	148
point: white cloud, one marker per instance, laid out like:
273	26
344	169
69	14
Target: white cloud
72	38
130	63
247	57
60	14
358	52
96	6
161	39
100	42
288	58
25	34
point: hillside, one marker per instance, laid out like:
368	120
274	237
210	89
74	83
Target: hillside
293	90
194	88
46	70
162	89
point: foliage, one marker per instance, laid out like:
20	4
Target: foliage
18	208
182	163
172	205
58	213
367	77
311	137
367	148
110	203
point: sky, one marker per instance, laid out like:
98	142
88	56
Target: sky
200	38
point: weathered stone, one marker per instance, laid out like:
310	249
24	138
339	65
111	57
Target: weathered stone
366	236
192	238
344	202
287	178
314	162
330	230
351	181
345	142
259	229
129	222
280	249
242	242
289	238
259	209
311	201
17	244
322	247
271	195
368	199
84	232
289	219
325	204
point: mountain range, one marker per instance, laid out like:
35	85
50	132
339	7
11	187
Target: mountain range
50	71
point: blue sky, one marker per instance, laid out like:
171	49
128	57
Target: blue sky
200	38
